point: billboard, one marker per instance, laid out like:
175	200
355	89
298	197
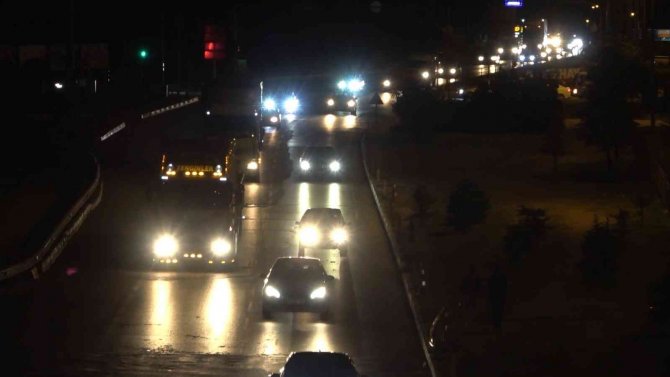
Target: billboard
662	35
514	3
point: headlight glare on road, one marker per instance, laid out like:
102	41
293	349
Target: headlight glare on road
334	166
318	294
305	165
351	103
271	291
220	247
309	236
165	246
252	165
330	102
339	235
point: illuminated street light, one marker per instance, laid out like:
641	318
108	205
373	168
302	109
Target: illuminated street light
515	50
58	85
480	58
386	83
440	70
543	54
632	14
452	71
587	20
452	80
461	91
495	58
532	58
425	75
500	50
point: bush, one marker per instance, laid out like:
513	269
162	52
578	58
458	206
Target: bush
468	206
517	242
421	113
520	237
600	249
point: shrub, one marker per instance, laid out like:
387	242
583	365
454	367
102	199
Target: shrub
600	249
468	206
520	237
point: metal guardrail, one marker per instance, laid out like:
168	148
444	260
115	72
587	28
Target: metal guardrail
169	108
44	258
395	248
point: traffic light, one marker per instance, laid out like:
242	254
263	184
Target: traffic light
143	53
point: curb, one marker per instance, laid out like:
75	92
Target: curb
396	255
44	258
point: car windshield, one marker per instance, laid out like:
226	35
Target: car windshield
319	154
194	194
322	216
298	269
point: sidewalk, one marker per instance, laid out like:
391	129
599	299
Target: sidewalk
552	323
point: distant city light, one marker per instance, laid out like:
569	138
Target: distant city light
58	85
632	14
461	91
480	58
515	50
452	71
452	80
440	70
522	57
425	74
500	50
587	20
531	58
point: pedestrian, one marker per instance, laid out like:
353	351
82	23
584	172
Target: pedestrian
497	295
470	286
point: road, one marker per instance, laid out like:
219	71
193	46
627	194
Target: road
103	311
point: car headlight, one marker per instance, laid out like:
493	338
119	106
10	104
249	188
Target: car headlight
291	105
274	119
305	165
271	291
334	166
330	102
319	293
339	235
351	103
220	247
309	236
252	165
269	104
165	246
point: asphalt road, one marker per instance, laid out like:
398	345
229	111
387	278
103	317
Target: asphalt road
103	311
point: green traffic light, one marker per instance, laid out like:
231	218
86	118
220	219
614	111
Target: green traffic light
143	53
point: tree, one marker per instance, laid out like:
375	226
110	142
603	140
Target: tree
468	206
520	238
608	119
554	142
422	200
600	249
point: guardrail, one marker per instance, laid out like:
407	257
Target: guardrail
44	258
395	248
169	108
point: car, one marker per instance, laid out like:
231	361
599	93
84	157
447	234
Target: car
271	120
297	284
341	102
318	364
322	228
316	162
246	151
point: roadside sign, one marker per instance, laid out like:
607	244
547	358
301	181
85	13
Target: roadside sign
376	100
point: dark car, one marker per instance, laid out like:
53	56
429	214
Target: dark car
320	162
341	102
322	228
318	364
297	284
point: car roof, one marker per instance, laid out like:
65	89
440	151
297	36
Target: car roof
316	364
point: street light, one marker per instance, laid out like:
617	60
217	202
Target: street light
500	50
515	50
425	75
440	70
587	20
452	71
480	58
632	14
